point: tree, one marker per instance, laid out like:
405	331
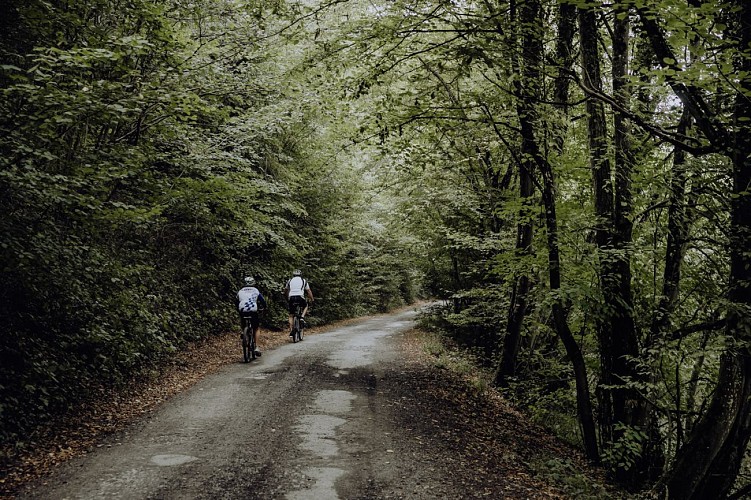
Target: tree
153	154
710	460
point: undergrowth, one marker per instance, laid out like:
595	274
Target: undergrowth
543	405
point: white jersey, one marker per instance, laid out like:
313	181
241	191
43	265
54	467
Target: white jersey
247	299
297	287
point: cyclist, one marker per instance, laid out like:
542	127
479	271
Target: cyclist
249	302
295	291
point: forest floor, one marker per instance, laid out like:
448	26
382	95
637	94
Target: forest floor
492	433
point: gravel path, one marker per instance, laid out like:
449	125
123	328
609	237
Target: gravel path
355	412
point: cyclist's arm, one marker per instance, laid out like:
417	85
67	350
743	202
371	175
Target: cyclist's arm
261	301
310	294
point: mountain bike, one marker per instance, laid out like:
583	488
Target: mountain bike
298	325
248	341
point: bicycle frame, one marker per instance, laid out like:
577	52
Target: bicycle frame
297	328
248	341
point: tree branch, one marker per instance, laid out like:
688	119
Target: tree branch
701	327
677	140
704	116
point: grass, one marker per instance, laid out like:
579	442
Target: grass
445	354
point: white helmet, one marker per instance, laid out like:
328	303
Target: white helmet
250	281
296	272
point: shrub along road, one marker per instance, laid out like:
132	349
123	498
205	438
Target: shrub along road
357	412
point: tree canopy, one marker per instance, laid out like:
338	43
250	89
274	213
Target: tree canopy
571	177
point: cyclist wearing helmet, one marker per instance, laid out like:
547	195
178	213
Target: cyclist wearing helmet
249	302
295	291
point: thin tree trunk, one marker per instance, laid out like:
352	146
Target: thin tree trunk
457	282
603	201
583	404
528	97
678	228
565	59
525	96
630	408
679	224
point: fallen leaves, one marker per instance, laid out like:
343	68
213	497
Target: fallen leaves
84	427
491	442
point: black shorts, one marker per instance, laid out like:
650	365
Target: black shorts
253	317
297	299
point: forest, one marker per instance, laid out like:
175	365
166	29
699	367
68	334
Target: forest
571	178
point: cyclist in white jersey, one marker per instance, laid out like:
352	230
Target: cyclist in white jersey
249	302
295	291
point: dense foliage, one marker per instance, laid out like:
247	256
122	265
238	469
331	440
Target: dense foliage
153	154
570	177
578	173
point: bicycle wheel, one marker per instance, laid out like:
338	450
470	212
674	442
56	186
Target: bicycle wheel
299	332
246	345
295	328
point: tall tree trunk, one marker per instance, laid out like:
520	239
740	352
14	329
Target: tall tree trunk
564	55
630	408
620	404
528	95
603	201
525	94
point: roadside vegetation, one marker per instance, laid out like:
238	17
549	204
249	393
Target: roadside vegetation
150	160
570	178
552	460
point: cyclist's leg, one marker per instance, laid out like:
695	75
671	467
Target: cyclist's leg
304	305
256	323
247	328
295	305
290	311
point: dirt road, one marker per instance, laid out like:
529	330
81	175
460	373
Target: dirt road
313	420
